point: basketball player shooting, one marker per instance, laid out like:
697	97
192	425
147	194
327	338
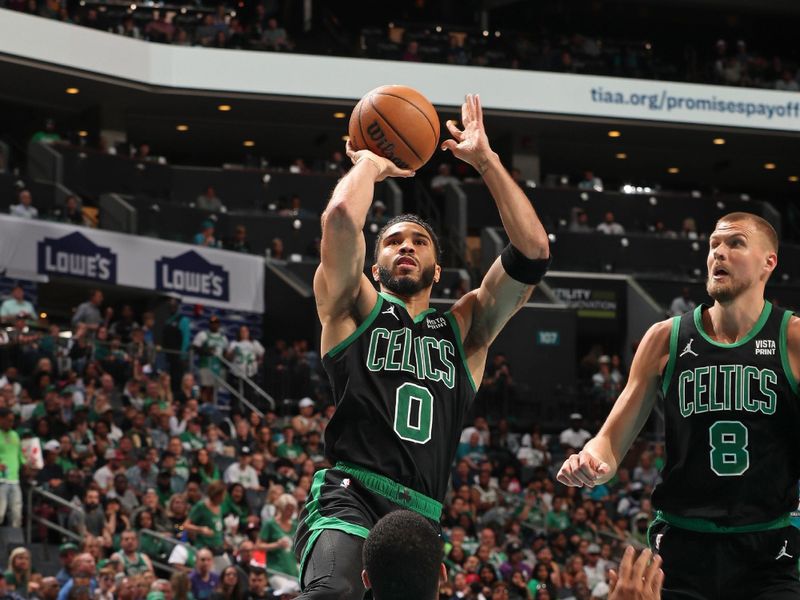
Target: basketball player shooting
402	374
728	373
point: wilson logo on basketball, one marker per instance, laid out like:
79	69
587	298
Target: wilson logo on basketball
385	146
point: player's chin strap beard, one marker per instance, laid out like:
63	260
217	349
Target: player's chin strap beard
406	286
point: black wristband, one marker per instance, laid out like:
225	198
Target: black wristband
523	269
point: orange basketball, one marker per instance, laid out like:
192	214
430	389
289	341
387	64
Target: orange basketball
398	123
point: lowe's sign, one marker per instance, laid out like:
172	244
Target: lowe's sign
75	255
191	274
39	250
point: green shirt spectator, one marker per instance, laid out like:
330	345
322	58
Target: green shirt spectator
205	519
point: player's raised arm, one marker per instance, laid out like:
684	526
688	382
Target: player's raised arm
339	279
510	280
600	457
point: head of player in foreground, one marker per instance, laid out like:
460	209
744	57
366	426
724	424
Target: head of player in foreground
407	255
743	253
402	558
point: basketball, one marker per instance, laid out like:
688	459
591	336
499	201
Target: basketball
398	123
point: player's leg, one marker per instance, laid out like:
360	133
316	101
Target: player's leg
333	568
769	561
686	559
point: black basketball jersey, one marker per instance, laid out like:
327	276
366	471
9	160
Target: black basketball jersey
732	424
401	388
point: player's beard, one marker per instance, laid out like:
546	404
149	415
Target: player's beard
727	291
404	285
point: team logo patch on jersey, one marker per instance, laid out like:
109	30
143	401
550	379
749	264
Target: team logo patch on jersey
390	311
765	348
783	553
345	483
435	323
688	349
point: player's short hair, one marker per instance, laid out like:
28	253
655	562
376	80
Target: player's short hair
762	225
402	556
409	218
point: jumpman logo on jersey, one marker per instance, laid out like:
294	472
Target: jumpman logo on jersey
390	311
688	349
783	551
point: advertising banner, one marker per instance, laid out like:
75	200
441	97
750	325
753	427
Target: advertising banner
39	250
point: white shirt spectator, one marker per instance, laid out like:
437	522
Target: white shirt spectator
246	354
247	476
611	228
482	433
25	211
531	457
681	305
574	438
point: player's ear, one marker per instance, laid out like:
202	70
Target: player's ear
365	579
442	573
437	273
772	261
374	269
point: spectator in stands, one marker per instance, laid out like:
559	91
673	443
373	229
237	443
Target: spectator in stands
209	200
411	53
646	472
176	338
71	212
16	306
257	585
579	221
203	579
276	249
275	37
575	436
205	519
241	472
11	463
787	82
305	422
590	182
239	243
133	562
679	305
66	554
84	567
48	135
210	345
444	178
609	226
276	538
128	28
377	213
206	235
605	384
88	313
689	229
124	326
159	29
92	520
142	476
20	574
48	589
24	208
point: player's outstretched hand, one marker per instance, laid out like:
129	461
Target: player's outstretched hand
386	168
640	580
584	469
470	144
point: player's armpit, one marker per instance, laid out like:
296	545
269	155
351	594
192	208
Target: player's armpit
635	402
